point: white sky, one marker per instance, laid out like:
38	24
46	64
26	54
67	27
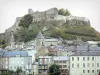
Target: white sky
10	9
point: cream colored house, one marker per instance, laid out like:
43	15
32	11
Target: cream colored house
85	63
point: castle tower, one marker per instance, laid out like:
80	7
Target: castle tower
30	11
39	40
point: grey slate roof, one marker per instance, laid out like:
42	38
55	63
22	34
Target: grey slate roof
14	53
79	48
87	54
40	36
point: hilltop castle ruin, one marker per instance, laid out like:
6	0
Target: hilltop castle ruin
47	16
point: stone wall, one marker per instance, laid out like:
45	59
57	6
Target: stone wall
52	14
46	15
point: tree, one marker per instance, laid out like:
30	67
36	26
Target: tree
54	70
19	70
67	13
3	44
64	12
26	21
61	11
99	72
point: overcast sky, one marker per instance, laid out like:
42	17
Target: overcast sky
10	9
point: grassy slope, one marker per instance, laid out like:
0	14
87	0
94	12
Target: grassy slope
85	32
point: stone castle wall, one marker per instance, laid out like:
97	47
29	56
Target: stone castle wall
46	15
50	15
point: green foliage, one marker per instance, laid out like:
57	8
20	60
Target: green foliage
3	44
62	34
99	72
26	21
67	13
82	31
19	70
7	72
63	12
27	34
54	70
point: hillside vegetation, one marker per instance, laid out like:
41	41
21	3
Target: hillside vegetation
70	30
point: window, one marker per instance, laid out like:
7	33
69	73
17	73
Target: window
55	61
97	70
93	58
88	71
60	66
72	58
83	64
78	65
92	64
62	70
88	65
64	66
97	64
83	71
60	61
77	58
92	71
64	61
83	58
88	58
72	65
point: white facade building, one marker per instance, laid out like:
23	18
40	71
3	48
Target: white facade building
85	63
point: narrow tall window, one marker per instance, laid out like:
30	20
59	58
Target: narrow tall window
83	58
83	64
92	71
97	64
72	58
77	65
72	65
88	65
83	71
77	58
92	64
93	58
88	71
88	58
